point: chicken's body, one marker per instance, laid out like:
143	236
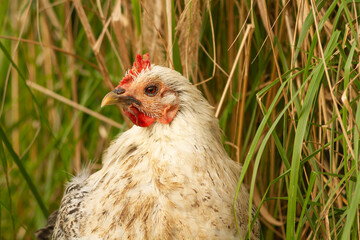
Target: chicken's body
164	181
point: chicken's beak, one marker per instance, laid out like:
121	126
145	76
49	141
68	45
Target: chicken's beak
117	96
110	98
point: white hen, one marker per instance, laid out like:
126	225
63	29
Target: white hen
168	177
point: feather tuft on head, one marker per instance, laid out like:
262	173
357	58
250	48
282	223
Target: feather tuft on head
140	64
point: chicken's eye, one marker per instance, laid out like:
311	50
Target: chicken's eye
151	90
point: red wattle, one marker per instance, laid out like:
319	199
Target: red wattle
138	118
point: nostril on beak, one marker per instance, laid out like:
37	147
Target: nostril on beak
119	90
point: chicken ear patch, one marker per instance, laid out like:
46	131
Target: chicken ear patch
169	114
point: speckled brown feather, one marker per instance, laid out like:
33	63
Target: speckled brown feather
46	232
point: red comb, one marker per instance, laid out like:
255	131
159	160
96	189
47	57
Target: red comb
140	64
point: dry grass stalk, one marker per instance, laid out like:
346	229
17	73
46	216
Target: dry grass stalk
247	34
45	45
50	13
188	30
151	23
338	115
15	99
213	60
119	23
71	64
48	69
243	87
169	33
73	104
24	18
214	50
105	30
90	35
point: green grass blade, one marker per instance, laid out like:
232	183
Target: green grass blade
313	176
10	210
43	119
299	137
263	144
355	200
24	173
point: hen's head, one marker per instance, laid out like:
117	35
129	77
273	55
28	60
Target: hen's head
148	93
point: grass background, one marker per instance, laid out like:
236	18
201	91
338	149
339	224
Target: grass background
283	77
